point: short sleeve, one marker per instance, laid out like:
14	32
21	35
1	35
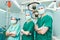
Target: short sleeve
48	22
38	21
31	26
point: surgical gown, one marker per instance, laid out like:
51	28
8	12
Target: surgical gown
28	26
47	22
15	28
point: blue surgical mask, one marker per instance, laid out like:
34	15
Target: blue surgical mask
42	11
28	17
13	21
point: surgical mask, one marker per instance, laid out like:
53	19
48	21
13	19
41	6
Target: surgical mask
36	14
28	17
41	11
13	21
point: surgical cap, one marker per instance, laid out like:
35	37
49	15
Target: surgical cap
28	12
40	6
15	18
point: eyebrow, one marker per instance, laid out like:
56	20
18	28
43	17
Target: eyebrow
13	19
26	15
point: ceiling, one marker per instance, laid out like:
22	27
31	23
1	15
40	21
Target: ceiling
13	9
16	5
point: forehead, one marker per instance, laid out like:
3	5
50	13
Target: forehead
36	12
13	18
27	14
41	7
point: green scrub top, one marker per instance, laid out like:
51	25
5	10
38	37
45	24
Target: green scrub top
28	26
15	28
47	22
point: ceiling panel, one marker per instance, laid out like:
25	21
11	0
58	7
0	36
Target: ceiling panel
13	9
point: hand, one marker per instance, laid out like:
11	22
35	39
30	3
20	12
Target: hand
13	32
8	33
36	27
43	30
27	33
39	31
22	31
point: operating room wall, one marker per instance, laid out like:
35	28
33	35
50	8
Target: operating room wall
56	23
2	19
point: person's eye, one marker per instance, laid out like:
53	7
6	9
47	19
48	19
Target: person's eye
26	15
41	8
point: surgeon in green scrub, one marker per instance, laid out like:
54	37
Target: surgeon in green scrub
28	28
43	26
13	32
